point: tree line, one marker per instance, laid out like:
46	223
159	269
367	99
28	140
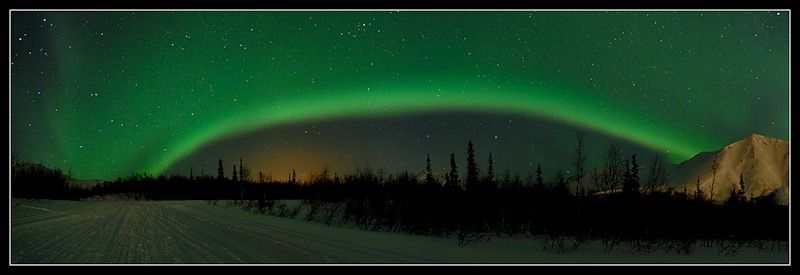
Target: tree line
608	204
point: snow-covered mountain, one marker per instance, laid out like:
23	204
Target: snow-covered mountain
763	161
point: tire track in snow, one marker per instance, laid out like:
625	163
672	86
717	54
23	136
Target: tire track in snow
316	240
172	232
245	246
41	240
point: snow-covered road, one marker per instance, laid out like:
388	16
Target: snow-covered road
195	232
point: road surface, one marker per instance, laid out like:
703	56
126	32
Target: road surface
168	232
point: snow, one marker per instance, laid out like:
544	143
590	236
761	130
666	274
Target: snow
764	162
196	232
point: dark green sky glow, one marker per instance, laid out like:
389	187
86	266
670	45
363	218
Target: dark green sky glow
106	94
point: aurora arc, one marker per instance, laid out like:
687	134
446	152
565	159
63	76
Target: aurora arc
409	99
106	94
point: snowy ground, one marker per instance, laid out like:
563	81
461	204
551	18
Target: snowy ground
195	232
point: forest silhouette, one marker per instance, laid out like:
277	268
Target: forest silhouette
609	204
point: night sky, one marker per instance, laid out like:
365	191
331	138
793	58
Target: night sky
109	94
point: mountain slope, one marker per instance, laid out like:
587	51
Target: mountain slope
763	161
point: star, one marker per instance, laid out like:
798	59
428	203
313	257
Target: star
445	80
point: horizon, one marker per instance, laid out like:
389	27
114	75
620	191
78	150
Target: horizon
304	176
656	137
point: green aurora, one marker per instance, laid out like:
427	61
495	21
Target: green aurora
105	94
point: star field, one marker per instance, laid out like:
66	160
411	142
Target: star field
107	94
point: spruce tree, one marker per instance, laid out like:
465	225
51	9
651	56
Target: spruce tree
630	182
220	171
490	172
428	171
626	178
634	175
472	168
452	177
539	180
698	193
242	176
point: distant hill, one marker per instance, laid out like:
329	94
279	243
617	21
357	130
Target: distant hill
763	161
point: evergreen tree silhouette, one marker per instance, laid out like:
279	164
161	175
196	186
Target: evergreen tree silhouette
737	196
220	171
539	180
452	177
235	177
630	185
242	176
472	168
560	181
428	171
490	173
698	193
634	175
